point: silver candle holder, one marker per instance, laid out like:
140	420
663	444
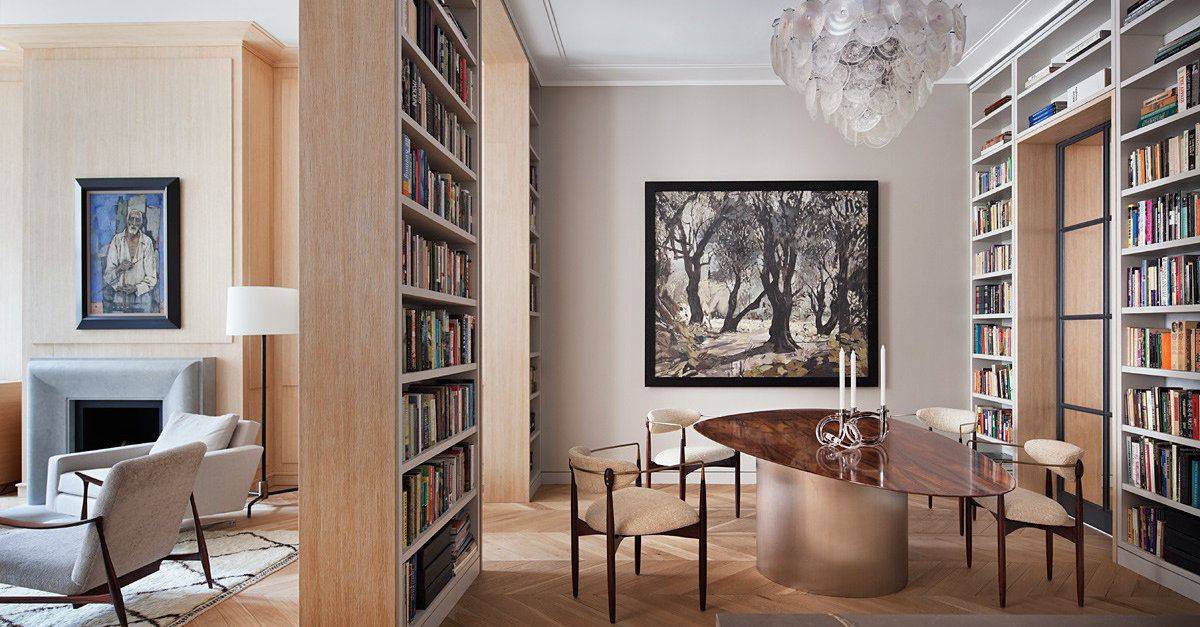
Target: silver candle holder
842	430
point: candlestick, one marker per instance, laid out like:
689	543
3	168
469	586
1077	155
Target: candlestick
882	375
841	379
853	380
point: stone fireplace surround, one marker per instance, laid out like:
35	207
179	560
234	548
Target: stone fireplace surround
52	386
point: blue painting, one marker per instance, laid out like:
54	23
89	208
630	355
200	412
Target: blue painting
125	260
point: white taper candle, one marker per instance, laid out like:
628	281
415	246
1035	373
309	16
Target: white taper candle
841	379
883	376
853	380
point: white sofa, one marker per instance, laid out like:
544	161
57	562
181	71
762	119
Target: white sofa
221	484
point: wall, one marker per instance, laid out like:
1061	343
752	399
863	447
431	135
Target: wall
11	212
599	147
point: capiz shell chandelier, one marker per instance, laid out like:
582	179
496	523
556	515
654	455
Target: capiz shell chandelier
867	65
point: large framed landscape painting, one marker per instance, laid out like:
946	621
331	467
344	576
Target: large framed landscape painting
760	283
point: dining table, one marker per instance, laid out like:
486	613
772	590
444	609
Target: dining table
834	521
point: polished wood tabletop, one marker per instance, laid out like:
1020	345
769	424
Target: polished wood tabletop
912	460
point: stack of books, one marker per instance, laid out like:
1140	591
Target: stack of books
1163	282
1168	157
993	299
994	422
462	537
1166	218
1140	8
996	215
1181	531
995	141
994	259
1177	44
1167	410
1000	102
1046	112
429	571
1162	105
1087	42
1164	468
1037	76
1167	349
995	380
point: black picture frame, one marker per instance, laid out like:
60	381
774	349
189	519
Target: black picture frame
872	331
170	248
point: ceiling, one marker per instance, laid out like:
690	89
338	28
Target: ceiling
681	42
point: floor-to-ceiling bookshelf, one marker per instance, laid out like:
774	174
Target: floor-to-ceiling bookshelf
440	203
1128	51
535	303
1138	76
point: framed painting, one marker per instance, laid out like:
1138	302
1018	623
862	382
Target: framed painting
760	283
128	250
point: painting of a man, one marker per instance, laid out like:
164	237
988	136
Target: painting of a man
125	255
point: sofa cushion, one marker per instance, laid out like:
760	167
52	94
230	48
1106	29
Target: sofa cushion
213	431
70	483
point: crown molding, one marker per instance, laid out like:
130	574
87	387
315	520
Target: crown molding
147	34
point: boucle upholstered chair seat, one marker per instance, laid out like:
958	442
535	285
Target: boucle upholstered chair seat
947	419
707	453
671	420
641	512
1028	506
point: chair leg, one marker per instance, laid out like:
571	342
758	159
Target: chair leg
612	579
967	521
637	555
574	561
1000	555
1079	563
931	502
1049	555
703	568
201	545
110	574
737	485
961	514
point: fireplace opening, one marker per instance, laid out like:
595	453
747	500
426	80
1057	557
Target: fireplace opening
105	424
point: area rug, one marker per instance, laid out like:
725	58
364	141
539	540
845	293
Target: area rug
177	593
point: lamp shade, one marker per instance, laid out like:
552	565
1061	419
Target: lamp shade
260	310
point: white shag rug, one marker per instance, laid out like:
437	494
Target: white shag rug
177	593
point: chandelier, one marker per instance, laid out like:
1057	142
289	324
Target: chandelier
866	65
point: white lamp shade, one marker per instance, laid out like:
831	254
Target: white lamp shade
259	310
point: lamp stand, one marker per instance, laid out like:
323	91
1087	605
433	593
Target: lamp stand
264	489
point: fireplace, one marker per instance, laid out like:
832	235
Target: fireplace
97	424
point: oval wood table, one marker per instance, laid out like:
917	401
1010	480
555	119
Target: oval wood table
837	524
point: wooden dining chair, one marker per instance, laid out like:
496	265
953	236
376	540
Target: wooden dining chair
688	458
960	422
625	510
1026	508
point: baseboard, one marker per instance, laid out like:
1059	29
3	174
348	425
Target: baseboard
723	476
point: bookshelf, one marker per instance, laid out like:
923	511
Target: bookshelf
441	219
535	283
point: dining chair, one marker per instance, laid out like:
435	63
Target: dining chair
960	422
693	457
626	509
1026	508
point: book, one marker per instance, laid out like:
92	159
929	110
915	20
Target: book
1160	114
1168	157
1140	8
1046	112
996	105
1081	46
1087	87
1157	101
1175	45
1042	73
998	139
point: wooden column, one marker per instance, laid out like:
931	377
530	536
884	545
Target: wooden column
348	312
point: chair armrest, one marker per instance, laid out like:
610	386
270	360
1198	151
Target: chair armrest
88	478
224	477
59	465
29	524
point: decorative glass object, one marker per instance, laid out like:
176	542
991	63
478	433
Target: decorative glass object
866	66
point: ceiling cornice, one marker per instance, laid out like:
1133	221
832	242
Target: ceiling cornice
152	34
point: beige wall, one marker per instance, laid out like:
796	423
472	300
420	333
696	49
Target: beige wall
11	212
599	147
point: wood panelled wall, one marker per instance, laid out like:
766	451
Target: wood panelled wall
11	211
200	101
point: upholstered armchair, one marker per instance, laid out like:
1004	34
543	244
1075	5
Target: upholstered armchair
133	527
959	422
1026	508
221	484
688	458
622	508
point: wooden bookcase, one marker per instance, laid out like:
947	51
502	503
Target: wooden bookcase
1129	52
535	302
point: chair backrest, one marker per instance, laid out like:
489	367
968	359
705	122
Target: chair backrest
142	502
183	428
583	459
671	419
244	434
947	419
1055	452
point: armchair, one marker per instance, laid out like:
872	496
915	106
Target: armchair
960	422
221	483
688	458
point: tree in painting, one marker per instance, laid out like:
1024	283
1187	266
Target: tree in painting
759	283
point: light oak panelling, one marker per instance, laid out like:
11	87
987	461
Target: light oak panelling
505	275
284	351
11	216
10	433
348	313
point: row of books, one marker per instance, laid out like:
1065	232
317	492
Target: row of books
1139	8
993	177
992	339
533	294
432	413
433	265
432	488
1160	106
436	563
1164	409
436	338
1000	102
995	215
1165	218
993	259
439	48
533	175
534	262
994	380
1164	468
533	212
1169	349
1170	534
995	141
993	299
994	422
1163	281
436	191
1168	157
1175	45
1046	112
533	377
433	115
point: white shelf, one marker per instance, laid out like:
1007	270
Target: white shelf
1161	74
1159	435
994	116
983	356
437	524
1157	187
1096	49
990	439
436	449
992	192
533	118
436	373
992	153
422	295
992	275
1159	372
1161	19
1188	509
999	316
533	155
1164	309
992	399
991	234
1146	249
1162	129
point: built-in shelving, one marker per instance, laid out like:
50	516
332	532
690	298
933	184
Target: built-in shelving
998	274
1006	402
535	274
986	357
992	193
1159	372
1001	232
1167	437
437	449
1161	247
441	159
1186	179
432	224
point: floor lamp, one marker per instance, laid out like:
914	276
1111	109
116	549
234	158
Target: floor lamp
263	311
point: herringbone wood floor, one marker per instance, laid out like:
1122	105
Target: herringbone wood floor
526	577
